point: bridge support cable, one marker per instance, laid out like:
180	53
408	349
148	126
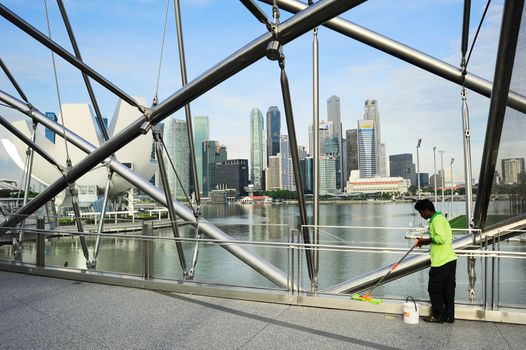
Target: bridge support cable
169	201
408	54
511	19
54	47
100	226
289	30
75	46
316	153
188	113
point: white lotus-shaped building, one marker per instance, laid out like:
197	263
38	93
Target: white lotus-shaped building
80	119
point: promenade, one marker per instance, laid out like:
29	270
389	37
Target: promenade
47	313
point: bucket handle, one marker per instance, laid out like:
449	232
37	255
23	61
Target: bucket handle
414	302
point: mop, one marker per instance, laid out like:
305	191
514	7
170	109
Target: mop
367	296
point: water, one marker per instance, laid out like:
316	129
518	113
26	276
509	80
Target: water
271	223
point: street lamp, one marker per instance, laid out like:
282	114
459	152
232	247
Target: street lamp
418	167
442	178
451	168
435	171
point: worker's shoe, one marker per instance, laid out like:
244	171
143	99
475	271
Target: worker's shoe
432	319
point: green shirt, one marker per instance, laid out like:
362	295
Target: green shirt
441	250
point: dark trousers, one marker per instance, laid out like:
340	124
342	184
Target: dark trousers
441	290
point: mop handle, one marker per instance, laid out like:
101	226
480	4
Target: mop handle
395	265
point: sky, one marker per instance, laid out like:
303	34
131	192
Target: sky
121	39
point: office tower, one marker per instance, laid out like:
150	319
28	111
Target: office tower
201	134
302	152
329	169
511	170
257	148
334	116
287	172
307	173
366	149
352	150
401	165
213	152
50	134
175	138
273	131
326	131
371	113
424	179
273	173
231	174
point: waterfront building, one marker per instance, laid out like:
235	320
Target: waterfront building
273	173
366	148
287	172
231	174
424	179
307	168
352	150
357	185
50	134
213	152
329	170
372	113
201	134
401	165
511	170
257	148
273	131
334	116
175	136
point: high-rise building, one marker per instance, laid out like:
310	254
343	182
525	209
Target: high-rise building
424	179
352	150
257	148
372	113
175	138
401	165
334	116
287	173
329	169
307	173
50	134
366	149
213	152
273	131
511	170
273	173
201	134
231	174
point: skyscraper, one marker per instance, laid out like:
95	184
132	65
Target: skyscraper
176	141
371	113
257	148
232	174
213	152
329	169
334	116
511	169
366	148
201	134
287	173
401	165
307	167
352	150
273	173
273	131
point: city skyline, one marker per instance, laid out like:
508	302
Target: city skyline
400	88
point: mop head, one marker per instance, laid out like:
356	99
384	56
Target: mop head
367	298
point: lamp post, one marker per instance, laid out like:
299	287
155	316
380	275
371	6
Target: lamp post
435	171
442	178
451	169
418	166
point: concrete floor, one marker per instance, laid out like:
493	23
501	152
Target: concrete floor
47	313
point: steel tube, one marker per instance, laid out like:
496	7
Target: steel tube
257	263
468	172
257	12
59	50
91	94
316	144
13	80
101	221
511	19
289	117
188	114
409	55
465	28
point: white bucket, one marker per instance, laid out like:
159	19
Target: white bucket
411	313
